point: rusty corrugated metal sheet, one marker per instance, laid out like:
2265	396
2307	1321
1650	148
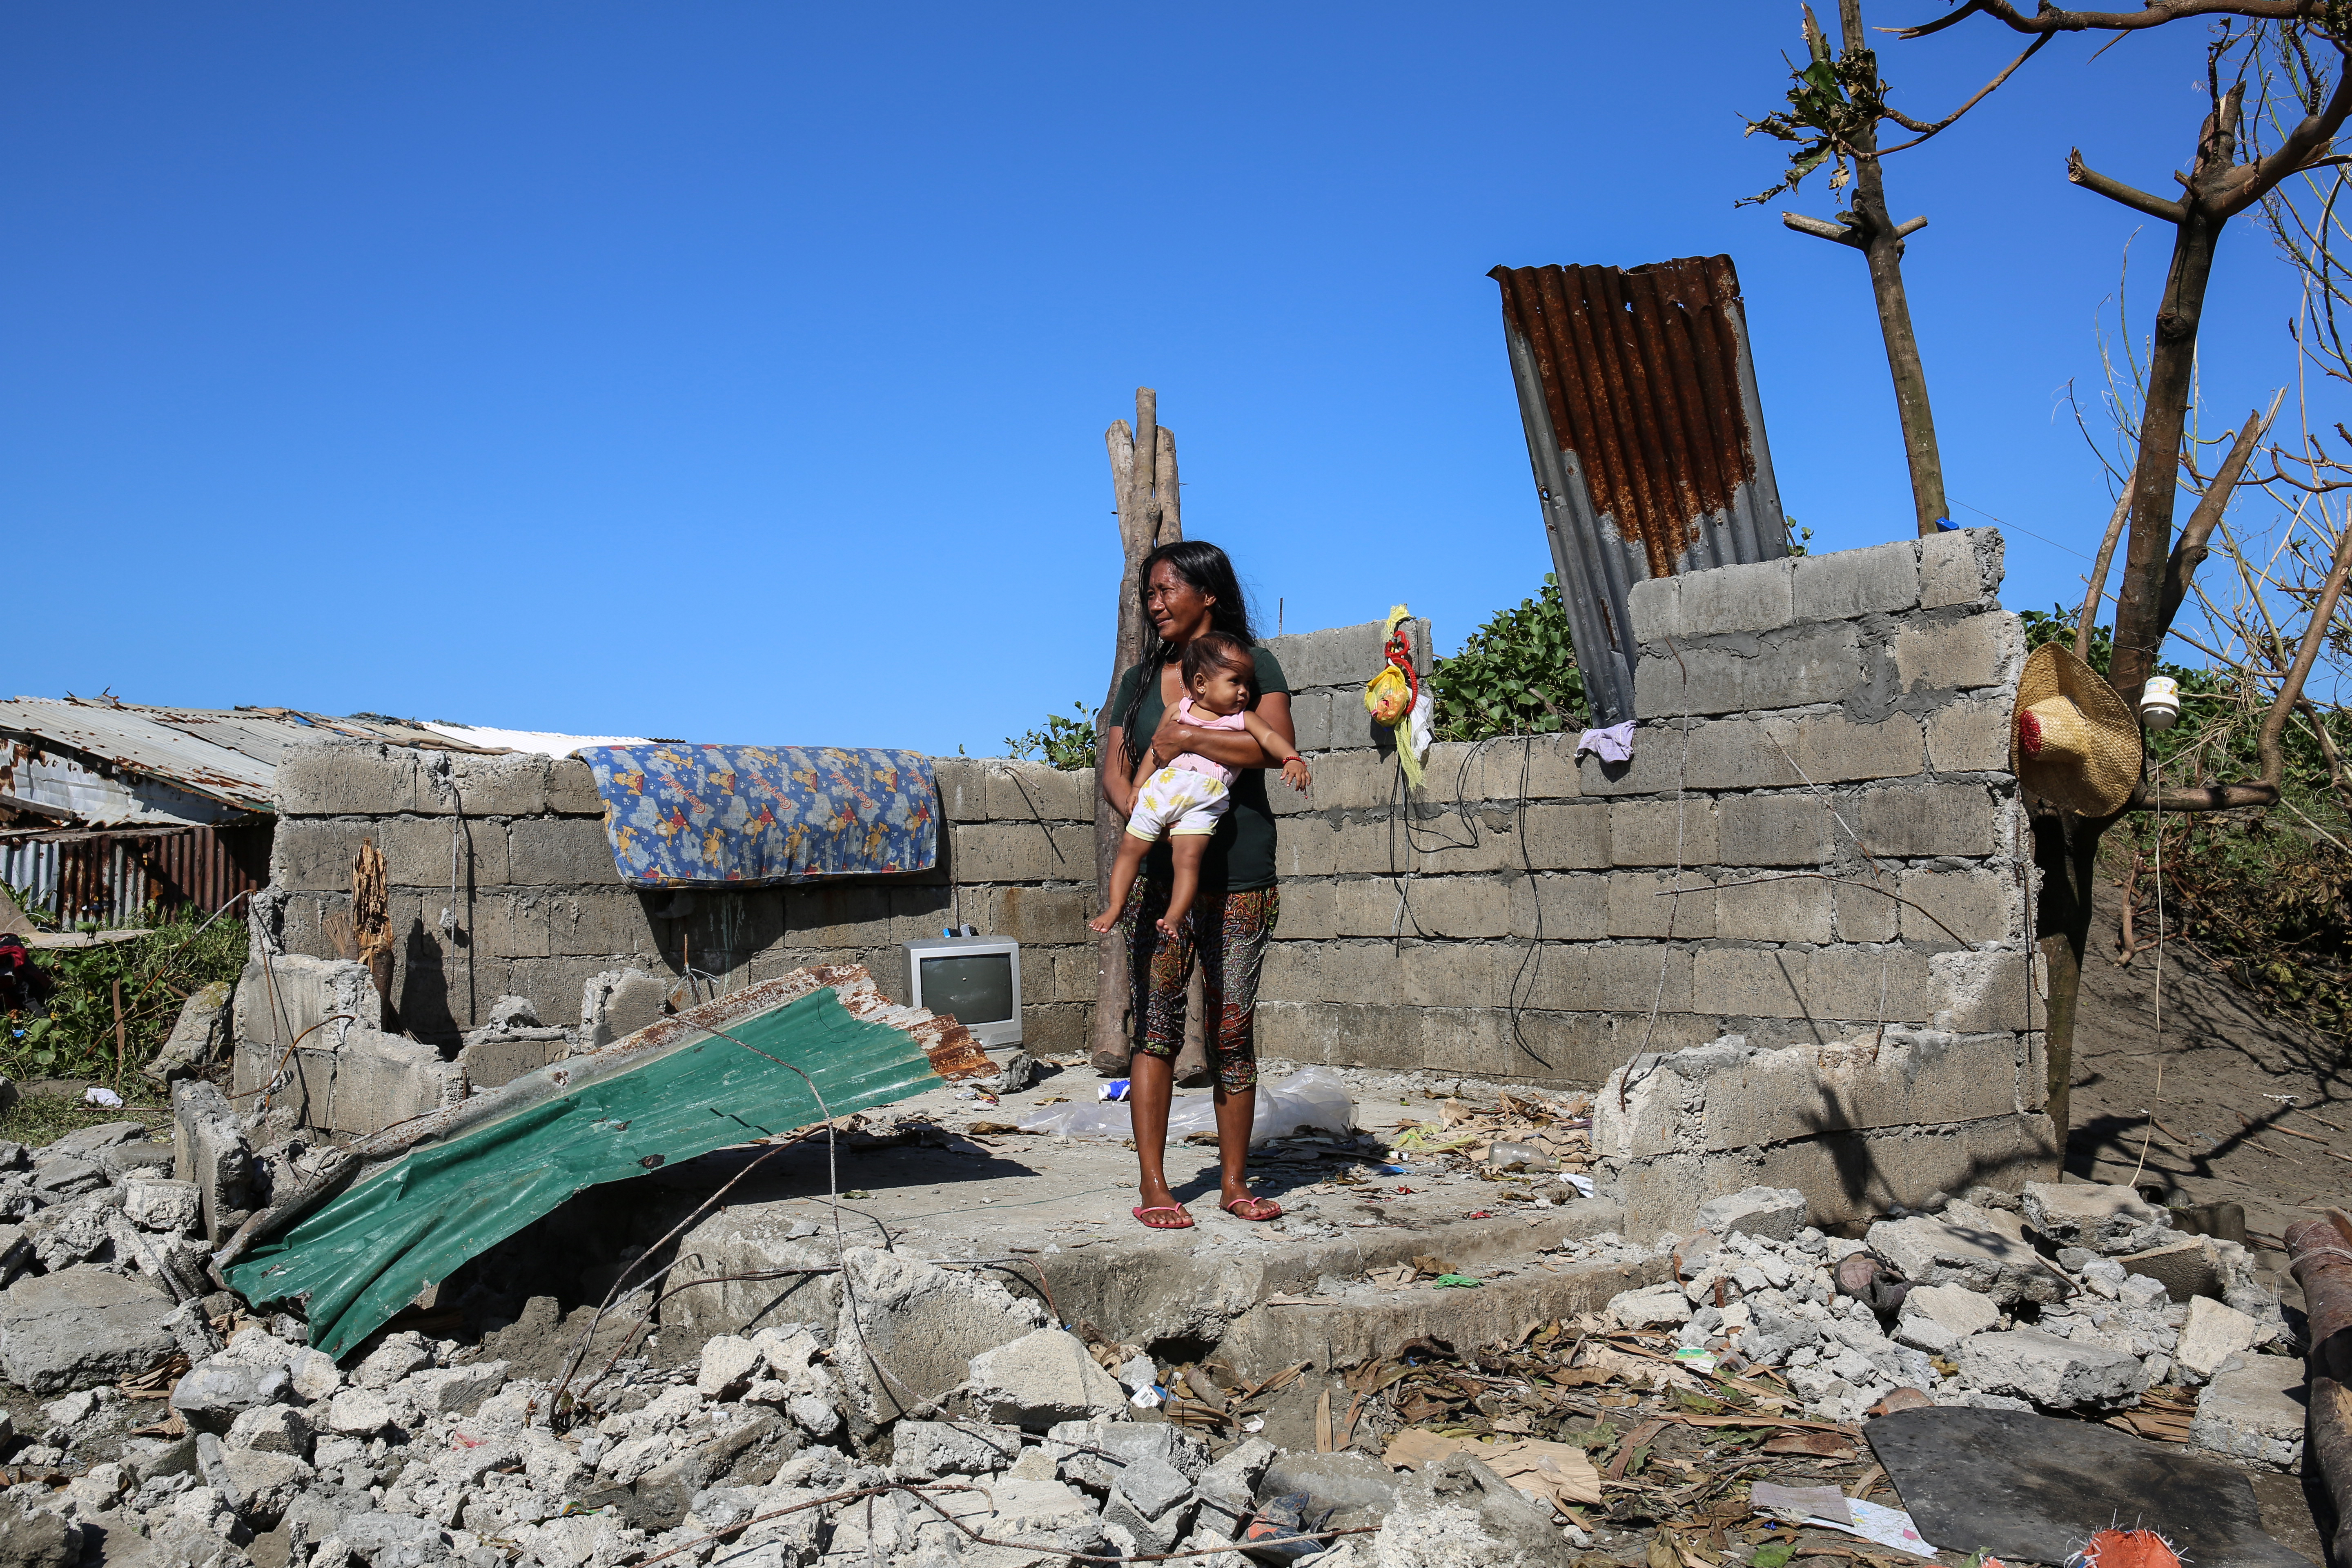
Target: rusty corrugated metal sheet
109	877
1646	436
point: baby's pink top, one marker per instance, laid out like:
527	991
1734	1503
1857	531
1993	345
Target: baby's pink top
1192	761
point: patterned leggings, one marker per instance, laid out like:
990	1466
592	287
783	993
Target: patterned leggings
1227	935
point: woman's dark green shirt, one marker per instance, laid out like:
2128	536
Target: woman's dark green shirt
1241	857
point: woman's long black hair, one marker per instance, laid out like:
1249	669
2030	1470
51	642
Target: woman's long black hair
1209	572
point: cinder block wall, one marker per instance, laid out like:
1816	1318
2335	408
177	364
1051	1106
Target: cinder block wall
1822	750
539	907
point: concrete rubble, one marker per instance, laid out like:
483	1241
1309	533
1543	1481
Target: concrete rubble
916	1405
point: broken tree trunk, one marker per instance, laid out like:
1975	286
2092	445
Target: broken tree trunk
371	925
1151	513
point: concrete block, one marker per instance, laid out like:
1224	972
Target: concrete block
1055	1031
2101	1217
1529	767
1359	780
617	1003
963	783
209	1150
1962	566
1462	842
1869	984
1022	852
513	925
346	778
314	853
1308	910
1030	914
1342	656
1787	668
1565	837
1833	749
1663	833
549	851
1305	846
487	1064
1555	908
1911	1079
1642	903
1773	830
1957	656
1914	820
1372	844
1353	728
1751	983
416	849
920	913
1863	912
1450	975
1777	1213
2255	1411
1786	910
572	789
1033	792
1657	765
1653	608
1371	906
1954	1309
2213	1333
2186	1268
1460	907
380	1078
1838	586
837	915
1972	1251
1310	721
2060	1373
1970	737
1622	977
1946	907
80	1327
1758	597
1974	991
510	786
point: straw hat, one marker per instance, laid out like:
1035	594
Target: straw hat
2072	740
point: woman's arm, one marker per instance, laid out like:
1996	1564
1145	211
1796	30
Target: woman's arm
1234	748
1112	773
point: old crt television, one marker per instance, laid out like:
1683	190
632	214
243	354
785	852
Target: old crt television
976	979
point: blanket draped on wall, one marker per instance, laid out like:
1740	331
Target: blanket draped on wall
687	816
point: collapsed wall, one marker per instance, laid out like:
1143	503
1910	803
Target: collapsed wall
1816	848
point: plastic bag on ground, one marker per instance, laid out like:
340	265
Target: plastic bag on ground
1315	1098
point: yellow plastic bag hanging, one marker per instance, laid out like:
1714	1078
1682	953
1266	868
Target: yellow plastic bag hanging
1394	698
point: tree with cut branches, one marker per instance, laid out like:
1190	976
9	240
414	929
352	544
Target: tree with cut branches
1836	102
1835	112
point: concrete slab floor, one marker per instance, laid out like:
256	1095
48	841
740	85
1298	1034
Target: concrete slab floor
1054	1214
1023	1190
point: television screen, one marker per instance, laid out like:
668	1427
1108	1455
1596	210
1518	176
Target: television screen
975	988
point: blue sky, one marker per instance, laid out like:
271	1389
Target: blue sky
739	371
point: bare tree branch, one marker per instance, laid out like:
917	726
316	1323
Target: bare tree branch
2245	185
2115	190
2321	611
1925	130
2190	551
2155	14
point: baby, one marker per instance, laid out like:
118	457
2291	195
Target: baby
1184	801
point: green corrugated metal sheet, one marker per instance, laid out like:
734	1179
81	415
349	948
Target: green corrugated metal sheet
670	1092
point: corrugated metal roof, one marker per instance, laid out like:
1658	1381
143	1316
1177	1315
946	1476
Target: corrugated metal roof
128	738
1646	436
226	755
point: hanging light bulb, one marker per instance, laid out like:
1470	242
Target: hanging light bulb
2159	703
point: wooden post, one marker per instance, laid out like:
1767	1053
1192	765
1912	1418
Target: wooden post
2317	1250
1144	488
119	1051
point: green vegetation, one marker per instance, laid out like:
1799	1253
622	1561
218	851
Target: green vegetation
2266	893
1064	740
72	1034
1515	675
